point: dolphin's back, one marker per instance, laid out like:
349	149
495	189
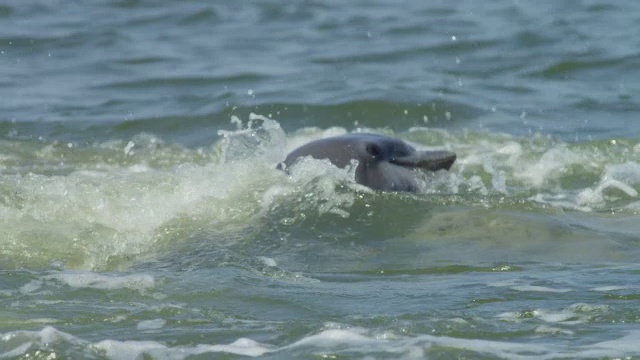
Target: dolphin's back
339	150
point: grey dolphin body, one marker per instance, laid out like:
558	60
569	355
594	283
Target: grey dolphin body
384	163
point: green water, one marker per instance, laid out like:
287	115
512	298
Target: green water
141	214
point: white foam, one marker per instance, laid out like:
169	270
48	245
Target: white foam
151	324
135	349
124	350
616	182
267	261
544	329
331	341
242	346
613	288
500	163
575	314
17	351
566	317
516	285
333	337
561	201
87	279
22	340
596	196
262	138
103	214
533	288
315	186
31	287
550	165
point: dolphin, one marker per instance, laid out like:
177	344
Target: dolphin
384	163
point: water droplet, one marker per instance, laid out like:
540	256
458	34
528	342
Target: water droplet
127	149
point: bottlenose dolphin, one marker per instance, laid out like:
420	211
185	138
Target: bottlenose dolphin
384	163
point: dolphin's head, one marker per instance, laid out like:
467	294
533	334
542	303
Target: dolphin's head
384	163
398	152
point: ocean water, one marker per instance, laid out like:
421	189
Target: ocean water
141	214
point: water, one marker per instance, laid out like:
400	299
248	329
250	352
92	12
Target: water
141	214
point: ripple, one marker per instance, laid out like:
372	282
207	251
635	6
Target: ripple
441	270
5	11
206	15
144	60
393	55
568	68
183	81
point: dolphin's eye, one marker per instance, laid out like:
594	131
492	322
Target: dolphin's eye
374	150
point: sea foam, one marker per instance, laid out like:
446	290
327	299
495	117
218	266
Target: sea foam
331	342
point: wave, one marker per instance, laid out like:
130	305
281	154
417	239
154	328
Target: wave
105	204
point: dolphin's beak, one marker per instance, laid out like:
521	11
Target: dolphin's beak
428	160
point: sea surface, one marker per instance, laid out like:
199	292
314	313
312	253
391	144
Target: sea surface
142	215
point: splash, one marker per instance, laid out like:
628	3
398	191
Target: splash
107	205
589	176
261	137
